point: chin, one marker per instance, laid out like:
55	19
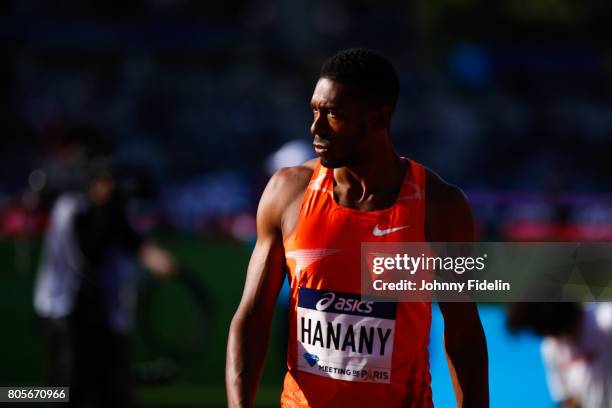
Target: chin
337	162
330	163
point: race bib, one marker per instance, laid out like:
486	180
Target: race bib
343	337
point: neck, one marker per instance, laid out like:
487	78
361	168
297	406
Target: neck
381	171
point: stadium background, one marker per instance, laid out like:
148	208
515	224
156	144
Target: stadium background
511	101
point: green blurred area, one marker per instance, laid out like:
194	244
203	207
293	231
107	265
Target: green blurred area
218	266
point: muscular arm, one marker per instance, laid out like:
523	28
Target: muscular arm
249	332
449	219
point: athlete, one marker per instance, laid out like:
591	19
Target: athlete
311	222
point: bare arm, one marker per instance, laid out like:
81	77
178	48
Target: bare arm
449	219
250	328
466	351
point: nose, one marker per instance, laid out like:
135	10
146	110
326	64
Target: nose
318	123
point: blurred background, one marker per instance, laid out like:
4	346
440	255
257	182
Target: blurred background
194	103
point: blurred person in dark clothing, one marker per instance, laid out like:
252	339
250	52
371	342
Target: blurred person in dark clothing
577	349
86	291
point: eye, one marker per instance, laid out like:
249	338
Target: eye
332	114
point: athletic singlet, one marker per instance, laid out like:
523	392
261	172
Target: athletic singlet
344	351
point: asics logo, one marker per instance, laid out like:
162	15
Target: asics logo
330	301
377	232
325	301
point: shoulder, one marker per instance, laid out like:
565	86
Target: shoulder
285	187
70	200
66	206
442	193
448	214
293	177
290	181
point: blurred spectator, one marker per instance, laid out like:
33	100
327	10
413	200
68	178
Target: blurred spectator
577	349
86	291
292	153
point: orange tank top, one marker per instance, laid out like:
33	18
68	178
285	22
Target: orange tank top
345	351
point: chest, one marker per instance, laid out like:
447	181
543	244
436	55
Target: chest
330	225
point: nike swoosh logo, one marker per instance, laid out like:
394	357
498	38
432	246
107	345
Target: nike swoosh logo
377	232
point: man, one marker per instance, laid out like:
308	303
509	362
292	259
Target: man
311	222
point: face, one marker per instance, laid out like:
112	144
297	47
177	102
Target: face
340	124
101	189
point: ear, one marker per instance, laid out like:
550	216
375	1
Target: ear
380	117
